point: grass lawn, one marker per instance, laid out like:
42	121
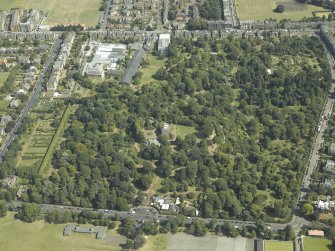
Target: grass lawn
41	236
316	244
278	246
4	105
156	243
3	77
182	131
61	11
154	65
36	143
263	9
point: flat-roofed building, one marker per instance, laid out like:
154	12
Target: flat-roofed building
318	233
106	57
15	19
164	41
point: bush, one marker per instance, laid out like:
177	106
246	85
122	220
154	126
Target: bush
280	9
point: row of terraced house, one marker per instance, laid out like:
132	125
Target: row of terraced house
59	64
19	20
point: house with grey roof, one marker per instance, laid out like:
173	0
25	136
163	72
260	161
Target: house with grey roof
6	119
327	182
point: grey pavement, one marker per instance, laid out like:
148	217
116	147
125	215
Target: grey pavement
133	66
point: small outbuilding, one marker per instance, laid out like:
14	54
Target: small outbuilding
317	233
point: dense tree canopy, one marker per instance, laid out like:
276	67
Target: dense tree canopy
29	212
253	131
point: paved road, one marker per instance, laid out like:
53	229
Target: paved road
38	87
159	14
142	214
105	14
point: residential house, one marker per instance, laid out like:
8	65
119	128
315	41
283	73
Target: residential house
5	119
16	15
21	92
162	202
327	182
8	98
52	84
166	128
3	61
165	203
152	141
60	63
14	103
329	167
324	205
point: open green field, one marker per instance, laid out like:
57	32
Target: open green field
316	244
182	131
157	242
3	77
263	9
278	246
61	11
41	236
154	65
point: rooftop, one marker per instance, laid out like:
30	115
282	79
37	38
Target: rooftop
100	231
316	233
164	36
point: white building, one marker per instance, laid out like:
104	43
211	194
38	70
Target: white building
163	41
324	205
106	57
329	167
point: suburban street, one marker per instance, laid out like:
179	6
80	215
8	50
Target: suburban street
104	15
146	213
38	87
